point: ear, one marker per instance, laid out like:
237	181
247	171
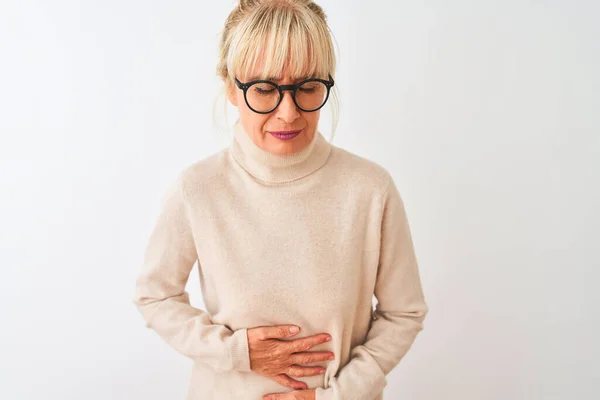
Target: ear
231	95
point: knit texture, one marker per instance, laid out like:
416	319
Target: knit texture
305	238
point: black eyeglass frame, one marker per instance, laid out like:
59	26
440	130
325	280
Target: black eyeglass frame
280	88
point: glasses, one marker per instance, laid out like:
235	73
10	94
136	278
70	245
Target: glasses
264	97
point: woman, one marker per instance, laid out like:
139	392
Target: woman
288	230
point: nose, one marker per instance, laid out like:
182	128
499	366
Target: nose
287	110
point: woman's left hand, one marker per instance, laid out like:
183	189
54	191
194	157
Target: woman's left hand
308	394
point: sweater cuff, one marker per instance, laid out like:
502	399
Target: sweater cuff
239	351
354	384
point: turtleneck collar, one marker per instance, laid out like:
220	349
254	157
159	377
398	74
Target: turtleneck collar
278	168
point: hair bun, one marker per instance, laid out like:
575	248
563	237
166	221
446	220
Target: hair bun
246	4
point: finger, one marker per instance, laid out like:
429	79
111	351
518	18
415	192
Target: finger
277	332
306	343
296	370
286	381
280	396
309	357
276	396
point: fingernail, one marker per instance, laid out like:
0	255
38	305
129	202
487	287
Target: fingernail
328	338
293	329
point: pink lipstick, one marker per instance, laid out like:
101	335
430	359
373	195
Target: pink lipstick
286	135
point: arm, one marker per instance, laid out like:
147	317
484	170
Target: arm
399	314
161	298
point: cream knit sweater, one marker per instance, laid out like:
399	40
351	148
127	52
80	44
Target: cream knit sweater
306	239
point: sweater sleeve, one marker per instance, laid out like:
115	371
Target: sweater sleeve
164	304
397	318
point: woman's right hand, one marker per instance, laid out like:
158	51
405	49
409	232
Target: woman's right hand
279	359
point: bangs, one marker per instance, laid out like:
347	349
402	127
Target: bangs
277	39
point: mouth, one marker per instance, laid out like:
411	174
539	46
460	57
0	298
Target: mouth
285	135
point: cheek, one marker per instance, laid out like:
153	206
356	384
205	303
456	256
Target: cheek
254	121
312	119
241	102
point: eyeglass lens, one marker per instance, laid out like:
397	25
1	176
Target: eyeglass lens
264	96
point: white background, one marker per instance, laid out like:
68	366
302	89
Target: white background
486	114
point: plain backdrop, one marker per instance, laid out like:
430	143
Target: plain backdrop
485	113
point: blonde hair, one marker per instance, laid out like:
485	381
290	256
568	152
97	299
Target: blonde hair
290	33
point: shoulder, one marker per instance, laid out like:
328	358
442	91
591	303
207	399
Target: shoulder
203	172
360	170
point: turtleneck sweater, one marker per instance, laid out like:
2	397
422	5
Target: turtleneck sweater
309	238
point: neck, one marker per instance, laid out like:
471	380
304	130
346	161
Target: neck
278	168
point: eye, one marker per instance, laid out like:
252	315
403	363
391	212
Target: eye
263	88
306	89
311	87
264	91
